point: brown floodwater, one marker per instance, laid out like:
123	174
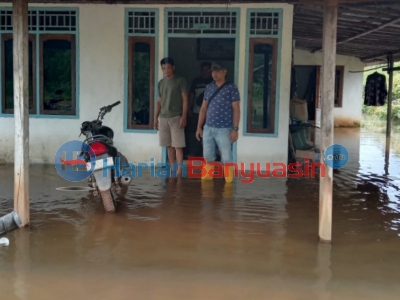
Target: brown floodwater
184	239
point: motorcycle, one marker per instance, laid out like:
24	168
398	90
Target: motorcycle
100	140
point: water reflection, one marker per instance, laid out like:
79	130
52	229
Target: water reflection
188	239
323	272
22	265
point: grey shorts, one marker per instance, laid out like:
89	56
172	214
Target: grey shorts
170	133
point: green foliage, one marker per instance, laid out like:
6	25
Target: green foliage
9	73
57	73
380	112
141	81
262	59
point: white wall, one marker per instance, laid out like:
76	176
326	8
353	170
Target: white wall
101	75
350	112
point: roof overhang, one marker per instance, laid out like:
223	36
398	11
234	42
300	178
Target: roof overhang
368	29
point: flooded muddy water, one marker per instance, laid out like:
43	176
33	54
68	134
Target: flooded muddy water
187	239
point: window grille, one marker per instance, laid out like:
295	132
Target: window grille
6	20
43	20
264	23
202	22
141	22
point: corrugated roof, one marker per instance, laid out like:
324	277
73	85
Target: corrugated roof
367	29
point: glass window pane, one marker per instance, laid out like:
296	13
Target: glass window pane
261	85
9	74
141	67
337	86
57	76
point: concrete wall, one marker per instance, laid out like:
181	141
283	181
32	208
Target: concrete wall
350	112
101	82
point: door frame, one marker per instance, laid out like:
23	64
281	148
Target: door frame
340	87
236	36
273	93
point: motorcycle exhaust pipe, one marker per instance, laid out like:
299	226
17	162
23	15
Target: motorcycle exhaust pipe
9	223
126	180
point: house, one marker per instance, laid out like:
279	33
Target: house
79	57
85	56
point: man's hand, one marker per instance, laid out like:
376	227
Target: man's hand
183	122
234	136
158	110
199	134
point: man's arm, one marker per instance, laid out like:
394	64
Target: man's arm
158	107
235	100
236	118
203	109
202	114
236	113
185	98
158	111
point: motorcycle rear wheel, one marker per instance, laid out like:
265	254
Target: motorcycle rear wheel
109	201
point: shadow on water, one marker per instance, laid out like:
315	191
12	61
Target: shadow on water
187	239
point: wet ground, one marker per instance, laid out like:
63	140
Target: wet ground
183	239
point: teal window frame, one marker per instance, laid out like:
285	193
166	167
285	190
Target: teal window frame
36	34
250	36
128	36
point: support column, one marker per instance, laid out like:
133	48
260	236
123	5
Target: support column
327	126
21	110
389	112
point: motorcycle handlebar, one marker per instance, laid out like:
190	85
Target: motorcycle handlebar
108	108
115	104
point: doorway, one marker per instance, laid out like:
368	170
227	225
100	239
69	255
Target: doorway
190	55
307	86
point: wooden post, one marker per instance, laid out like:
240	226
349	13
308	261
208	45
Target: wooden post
21	110
327	104
389	112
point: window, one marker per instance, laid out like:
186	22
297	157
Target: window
339	86
141	68
57	74
339	77
264	34
52	62
262	85
141	82
8	74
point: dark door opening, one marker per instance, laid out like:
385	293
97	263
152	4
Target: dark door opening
307	87
189	55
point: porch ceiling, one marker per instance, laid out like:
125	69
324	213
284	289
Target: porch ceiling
367	29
